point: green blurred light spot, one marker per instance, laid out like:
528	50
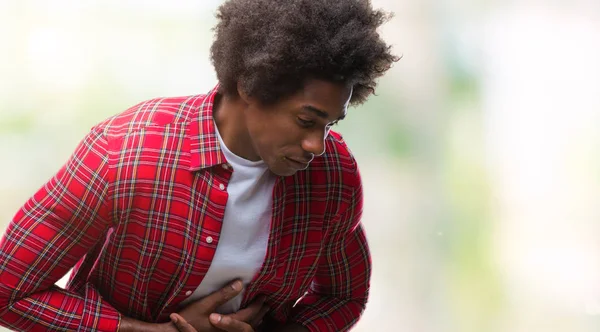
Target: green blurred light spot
16	124
399	142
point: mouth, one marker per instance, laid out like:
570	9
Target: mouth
297	164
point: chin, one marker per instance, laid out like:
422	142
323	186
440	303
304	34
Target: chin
281	168
283	171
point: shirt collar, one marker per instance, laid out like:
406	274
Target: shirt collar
204	147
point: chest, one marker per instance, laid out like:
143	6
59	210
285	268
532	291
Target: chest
169	227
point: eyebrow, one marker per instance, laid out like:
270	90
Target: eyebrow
320	113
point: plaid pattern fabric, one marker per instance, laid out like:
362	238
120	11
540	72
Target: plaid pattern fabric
134	211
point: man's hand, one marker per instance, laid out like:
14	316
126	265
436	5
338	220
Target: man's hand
195	317
222	322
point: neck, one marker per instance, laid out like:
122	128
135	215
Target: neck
228	113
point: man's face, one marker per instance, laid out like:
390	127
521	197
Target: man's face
288	134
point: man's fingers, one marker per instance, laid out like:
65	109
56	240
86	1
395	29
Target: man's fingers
223	295
257	320
229	324
253	314
181	324
247	314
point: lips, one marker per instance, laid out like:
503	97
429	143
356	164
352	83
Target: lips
300	160
298	163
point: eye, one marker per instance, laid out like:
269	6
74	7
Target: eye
334	123
305	123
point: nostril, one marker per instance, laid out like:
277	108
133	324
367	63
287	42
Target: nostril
314	146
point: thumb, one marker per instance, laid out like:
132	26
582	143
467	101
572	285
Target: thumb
181	324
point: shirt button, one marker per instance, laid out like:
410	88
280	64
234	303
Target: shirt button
209	239
222	186
225	166
188	293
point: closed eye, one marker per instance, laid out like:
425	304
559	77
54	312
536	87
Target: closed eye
305	123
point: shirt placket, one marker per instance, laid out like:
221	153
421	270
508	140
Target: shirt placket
210	205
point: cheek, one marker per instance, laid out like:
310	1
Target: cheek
277	138
267	142
273	134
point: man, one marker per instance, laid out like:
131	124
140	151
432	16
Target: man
162	205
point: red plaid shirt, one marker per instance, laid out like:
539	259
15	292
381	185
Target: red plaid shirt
131	212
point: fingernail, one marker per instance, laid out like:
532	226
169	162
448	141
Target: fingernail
237	285
215	317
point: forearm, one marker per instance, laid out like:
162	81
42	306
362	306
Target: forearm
52	231
57	309
61	321
134	325
328	314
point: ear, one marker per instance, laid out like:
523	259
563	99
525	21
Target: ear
242	93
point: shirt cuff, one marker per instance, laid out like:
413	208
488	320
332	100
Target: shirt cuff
326	314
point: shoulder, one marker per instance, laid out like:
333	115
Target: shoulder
336	170
337	151
156	113
338	158
335	176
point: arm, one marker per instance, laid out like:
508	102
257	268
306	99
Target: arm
47	237
339	292
133	325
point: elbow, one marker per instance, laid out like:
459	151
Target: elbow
4	302
8	292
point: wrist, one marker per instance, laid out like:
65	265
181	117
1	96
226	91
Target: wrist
134	325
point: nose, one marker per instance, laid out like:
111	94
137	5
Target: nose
314	143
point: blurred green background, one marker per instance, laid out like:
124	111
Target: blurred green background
479	154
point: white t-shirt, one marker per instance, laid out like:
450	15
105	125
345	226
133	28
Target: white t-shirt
245	231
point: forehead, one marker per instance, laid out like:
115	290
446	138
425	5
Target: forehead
332	98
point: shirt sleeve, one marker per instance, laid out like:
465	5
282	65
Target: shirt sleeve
339	292
47	237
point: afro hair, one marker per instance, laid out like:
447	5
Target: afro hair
271	47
